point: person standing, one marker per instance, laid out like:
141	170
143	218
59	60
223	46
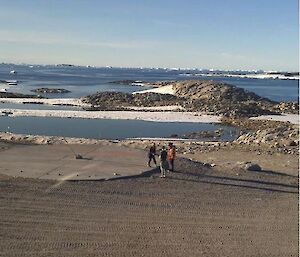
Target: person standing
171	156
151	155
164	166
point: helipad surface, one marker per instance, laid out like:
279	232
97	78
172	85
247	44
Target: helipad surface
58	162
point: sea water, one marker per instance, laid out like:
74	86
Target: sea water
82	81
108	129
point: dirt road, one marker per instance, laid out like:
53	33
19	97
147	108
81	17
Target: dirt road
198	213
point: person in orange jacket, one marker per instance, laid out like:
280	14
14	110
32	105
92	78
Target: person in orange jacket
171	156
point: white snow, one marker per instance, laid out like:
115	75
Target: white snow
71	101
156	108
292	118
249	76
160	90
4	87
167	116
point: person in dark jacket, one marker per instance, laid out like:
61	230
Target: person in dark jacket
151	155
164	165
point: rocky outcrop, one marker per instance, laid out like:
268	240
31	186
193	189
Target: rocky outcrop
126	82
154	99
50	90
17	95
222	99
205	134
202	96
287	107
283	135
108	100
118	100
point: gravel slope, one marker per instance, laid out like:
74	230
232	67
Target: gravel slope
188	214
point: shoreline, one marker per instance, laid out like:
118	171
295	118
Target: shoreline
45	101
157	116
154	114
292	118
247	76
47	140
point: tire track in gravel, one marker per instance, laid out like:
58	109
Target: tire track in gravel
145	217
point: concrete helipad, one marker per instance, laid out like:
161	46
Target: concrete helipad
58	162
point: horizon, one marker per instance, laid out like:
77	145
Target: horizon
129	34
128	67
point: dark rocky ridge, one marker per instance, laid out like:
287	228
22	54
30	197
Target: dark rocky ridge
17	95
276	135
50	90
117	100
205	134
196	95
221	99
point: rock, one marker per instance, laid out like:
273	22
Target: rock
290	143
50	90
287	107
119	101
194	95
204	134
17	95
271	134
252	167
154	99
126	82
108	100
249	166
221	98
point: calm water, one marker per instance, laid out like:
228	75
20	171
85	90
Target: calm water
83	81
106	129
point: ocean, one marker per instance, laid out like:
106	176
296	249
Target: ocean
82	81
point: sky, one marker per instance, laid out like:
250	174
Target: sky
217	34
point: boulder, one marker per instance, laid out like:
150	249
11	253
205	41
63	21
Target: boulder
249	166
252	167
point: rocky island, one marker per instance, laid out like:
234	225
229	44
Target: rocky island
194	96
44	90
17	95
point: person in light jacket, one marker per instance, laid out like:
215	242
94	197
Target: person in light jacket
171	156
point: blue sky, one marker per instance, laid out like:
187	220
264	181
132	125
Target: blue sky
231	34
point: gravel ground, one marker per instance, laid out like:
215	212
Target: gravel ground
196	211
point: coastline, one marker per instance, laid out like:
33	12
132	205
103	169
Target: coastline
247	76
157	116
54	101
292	118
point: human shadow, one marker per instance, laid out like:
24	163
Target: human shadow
238	182
270	172
236	185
